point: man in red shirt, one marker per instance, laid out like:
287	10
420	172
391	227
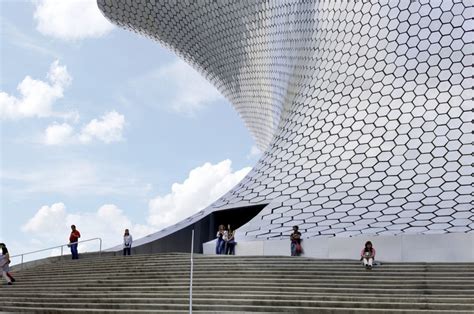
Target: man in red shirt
73	238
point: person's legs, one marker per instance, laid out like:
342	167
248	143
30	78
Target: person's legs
11	277
365	262
222	247
129	251
74	253
124	251
293	249
218	246
298	249
370	262
4	275
229	250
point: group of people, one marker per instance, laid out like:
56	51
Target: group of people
225	241
225	245
367	255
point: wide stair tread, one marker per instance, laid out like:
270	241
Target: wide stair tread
252	284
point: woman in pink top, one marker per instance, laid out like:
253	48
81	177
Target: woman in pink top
367	255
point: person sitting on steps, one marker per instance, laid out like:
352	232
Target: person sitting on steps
367	255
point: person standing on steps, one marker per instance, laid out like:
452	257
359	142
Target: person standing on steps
221	238
73	239
127	243
230	244
295	239
4	264
367	255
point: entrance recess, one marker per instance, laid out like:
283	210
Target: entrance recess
204	230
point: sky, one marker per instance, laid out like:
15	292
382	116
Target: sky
105	129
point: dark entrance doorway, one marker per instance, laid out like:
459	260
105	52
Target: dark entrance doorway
204	230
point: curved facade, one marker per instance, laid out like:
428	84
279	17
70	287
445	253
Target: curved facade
363	110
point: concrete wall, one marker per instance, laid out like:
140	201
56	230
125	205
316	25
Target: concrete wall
451	247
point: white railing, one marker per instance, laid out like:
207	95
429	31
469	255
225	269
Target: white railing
56	247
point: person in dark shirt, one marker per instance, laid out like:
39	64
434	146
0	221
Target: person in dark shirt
73	239
295	238
4	264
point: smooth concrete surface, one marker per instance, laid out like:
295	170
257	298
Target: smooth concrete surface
245	248
451	247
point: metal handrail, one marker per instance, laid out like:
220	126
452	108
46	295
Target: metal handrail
59	246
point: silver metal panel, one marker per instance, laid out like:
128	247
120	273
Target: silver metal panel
363	109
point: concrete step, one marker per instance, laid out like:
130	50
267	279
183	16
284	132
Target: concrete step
143	296
249	264
244	259
282	268
219	311
160	283
239	300
376	277
255	289
236	259
373	293
465	283
245	304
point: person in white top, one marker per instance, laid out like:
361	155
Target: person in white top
221	239
4	264
127	243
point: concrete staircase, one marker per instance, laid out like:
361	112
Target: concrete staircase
160	283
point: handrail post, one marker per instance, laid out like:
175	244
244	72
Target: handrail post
21	261
191	275
100	247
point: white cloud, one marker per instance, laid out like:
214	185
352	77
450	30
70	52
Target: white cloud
70	19
51	224
204	185
178	87
108	128
47	219
56	134
37	97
